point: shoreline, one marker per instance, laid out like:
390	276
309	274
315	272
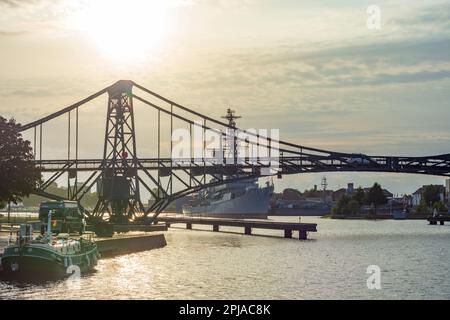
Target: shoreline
378	217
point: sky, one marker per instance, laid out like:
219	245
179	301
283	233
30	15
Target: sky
312	69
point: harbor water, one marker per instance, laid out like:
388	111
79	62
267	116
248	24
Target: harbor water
413	258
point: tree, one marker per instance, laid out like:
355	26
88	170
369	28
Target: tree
431	195
360	196
18	174
346	205
352	207
376	196
88	201
341	205
312	193
422	208
440	206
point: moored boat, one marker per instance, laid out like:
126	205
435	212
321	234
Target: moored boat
240	199
47	257
400	215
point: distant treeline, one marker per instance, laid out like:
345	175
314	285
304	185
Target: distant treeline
88	201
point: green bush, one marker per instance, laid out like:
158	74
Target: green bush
352	207
346	205
440	207
422	208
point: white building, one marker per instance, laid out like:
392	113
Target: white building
447	189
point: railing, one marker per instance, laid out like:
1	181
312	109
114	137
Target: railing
7	227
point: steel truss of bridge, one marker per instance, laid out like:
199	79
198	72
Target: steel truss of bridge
120	174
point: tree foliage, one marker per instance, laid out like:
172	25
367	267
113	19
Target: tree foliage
440	206
312	193
376	196
18	174
351	204
360	196
346	205
431	195
88	201
422	208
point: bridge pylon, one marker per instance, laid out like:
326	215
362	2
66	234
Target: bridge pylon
116	173
118	185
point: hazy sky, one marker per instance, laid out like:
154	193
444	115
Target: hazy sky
311	68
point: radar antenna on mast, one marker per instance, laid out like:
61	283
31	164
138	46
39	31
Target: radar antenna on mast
231	117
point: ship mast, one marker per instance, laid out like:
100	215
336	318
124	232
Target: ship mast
231	117
324	189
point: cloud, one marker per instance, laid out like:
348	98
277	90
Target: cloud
394	62
20	3
6	33
434	14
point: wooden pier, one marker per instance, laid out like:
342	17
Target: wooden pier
440	220
248	225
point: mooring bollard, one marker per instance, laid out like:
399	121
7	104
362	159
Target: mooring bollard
189	226
248	230
216	228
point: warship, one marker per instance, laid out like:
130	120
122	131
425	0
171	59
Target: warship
235	199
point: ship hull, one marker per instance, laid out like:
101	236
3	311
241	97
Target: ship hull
254	204
43	264
31	268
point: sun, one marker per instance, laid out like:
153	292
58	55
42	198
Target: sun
125	30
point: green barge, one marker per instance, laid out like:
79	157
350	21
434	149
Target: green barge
46	257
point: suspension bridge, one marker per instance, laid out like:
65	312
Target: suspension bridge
121	175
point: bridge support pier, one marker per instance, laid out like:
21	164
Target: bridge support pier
303	235
216	228
288	233
248	231
189	226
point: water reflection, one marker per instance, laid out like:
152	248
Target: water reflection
198	264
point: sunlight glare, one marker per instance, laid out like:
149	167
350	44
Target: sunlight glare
125	30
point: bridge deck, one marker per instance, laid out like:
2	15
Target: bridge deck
248	225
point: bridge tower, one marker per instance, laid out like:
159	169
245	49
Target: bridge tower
118	186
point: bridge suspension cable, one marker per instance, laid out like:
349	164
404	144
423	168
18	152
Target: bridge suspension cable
167	179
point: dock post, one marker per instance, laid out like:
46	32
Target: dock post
248	230
189	226
167	224
216	228
442	222
303	235
288	233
